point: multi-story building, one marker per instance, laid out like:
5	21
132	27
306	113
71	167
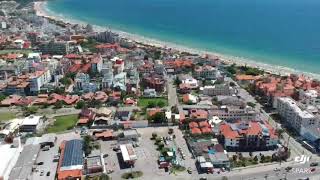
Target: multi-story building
249	135
119	81
96	64
55	48
107	36
219	90
17	86
234	113
206	72
83	83
293	115
38	79
156	82
309	97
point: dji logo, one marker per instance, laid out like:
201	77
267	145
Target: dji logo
302	159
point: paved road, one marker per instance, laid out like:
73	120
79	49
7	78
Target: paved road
172	93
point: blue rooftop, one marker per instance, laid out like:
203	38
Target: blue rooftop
73	153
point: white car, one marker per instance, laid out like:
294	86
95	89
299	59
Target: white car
277	169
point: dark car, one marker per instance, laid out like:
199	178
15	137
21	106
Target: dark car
105	155
40	163
48	173
288	168
314	164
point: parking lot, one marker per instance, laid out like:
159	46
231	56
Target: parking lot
148	155
46	166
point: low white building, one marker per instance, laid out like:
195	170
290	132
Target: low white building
9	154
128	153
193	83
31	124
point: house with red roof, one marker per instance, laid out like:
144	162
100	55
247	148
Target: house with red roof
248	136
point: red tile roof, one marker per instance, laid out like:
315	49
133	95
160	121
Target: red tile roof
195	131
104	134
193	125
204	124
206	130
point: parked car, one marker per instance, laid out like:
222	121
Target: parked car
41	173
276	169
46	148
40	163
189	170
313	169
288	168
314	164
48	173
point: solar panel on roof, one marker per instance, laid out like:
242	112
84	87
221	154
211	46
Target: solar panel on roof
73	153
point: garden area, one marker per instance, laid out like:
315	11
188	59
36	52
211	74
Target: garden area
63	123
240	161
152	102
5	116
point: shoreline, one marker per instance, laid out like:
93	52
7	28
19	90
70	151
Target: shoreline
42	11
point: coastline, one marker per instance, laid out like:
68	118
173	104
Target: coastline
42	10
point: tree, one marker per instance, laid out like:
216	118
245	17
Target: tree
65	81
2	97
280	133
151	104
159	117
157	54
161	104
177	81
58	105
232	84
27	111
234	157
255	158
251	104
59	90
154	135
94	104
80	104
87	148
232	69
250	154
262	158
71	75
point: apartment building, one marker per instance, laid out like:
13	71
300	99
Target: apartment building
38	79
293	115
249	135
234	113
218	90
55	48
206	72
309	97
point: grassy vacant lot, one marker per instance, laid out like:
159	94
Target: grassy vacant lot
5	116
144	102
15	51
63	123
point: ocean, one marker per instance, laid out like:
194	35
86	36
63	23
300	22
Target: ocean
278	32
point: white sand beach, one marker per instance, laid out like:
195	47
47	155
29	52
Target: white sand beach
41	10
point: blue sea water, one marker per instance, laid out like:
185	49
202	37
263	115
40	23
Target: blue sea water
279	32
